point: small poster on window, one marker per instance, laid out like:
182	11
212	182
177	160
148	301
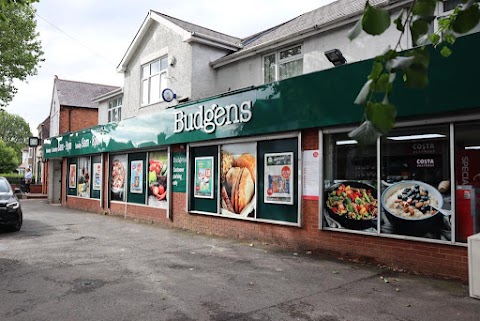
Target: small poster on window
278	178
72	177
136	177
97	176
204	177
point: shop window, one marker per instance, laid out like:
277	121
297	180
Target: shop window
154	80
97	175
283	64
115	110
72	176
467	176
415	175
350	184
249	180
136	178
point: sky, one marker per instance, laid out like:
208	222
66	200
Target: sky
85	40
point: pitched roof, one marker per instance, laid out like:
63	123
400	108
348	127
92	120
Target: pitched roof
333	12
190	27
79	94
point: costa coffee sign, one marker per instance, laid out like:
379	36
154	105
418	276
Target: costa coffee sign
209	118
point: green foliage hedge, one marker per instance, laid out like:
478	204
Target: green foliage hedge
14	178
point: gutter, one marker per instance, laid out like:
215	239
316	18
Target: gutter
202	38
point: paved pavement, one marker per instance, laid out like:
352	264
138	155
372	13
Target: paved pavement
71	265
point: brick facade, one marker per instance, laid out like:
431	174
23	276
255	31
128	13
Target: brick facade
418	256
75	118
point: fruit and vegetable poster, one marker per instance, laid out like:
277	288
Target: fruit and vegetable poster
238	170
72	176
278	180
204	177
97	176
117	179
136	177
157	179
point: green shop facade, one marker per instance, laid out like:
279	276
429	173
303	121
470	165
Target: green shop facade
274	164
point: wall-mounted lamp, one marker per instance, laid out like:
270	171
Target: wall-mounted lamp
335	57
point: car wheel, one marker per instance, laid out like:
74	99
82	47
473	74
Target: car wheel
18	226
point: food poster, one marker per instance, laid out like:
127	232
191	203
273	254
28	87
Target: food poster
157	179
350	196
118	178
97	176
278	180
136	177
72	176
238	170
204	176
83	175
415	187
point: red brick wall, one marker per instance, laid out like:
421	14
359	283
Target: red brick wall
76	118
422	257
87	204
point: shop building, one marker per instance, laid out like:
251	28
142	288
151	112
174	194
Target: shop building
273	162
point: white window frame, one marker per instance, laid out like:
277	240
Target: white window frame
149	78
279	61
115	105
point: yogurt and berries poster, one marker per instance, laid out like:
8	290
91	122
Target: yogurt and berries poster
203	177
279	178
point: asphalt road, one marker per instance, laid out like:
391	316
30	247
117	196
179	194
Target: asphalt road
70	265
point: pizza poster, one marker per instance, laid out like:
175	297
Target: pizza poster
278	180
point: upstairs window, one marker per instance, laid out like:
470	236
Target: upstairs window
283	64
154	80
115	110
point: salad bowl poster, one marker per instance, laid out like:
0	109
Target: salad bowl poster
279	178
157	179
136	177
204	177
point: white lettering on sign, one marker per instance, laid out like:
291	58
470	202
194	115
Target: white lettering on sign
208	119
465	170
426	148
425	162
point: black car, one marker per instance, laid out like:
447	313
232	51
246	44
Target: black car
10	210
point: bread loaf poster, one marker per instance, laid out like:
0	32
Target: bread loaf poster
237	181
204	178
157	179
278	178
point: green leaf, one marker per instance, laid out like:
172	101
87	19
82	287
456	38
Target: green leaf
365	134
399	21
375	21
382	85
445	51
381	115
418	28
376	70
434	38
466	19
355	31
363	94
416	76
449	38
424	8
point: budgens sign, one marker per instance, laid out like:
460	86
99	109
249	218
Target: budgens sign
209	118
